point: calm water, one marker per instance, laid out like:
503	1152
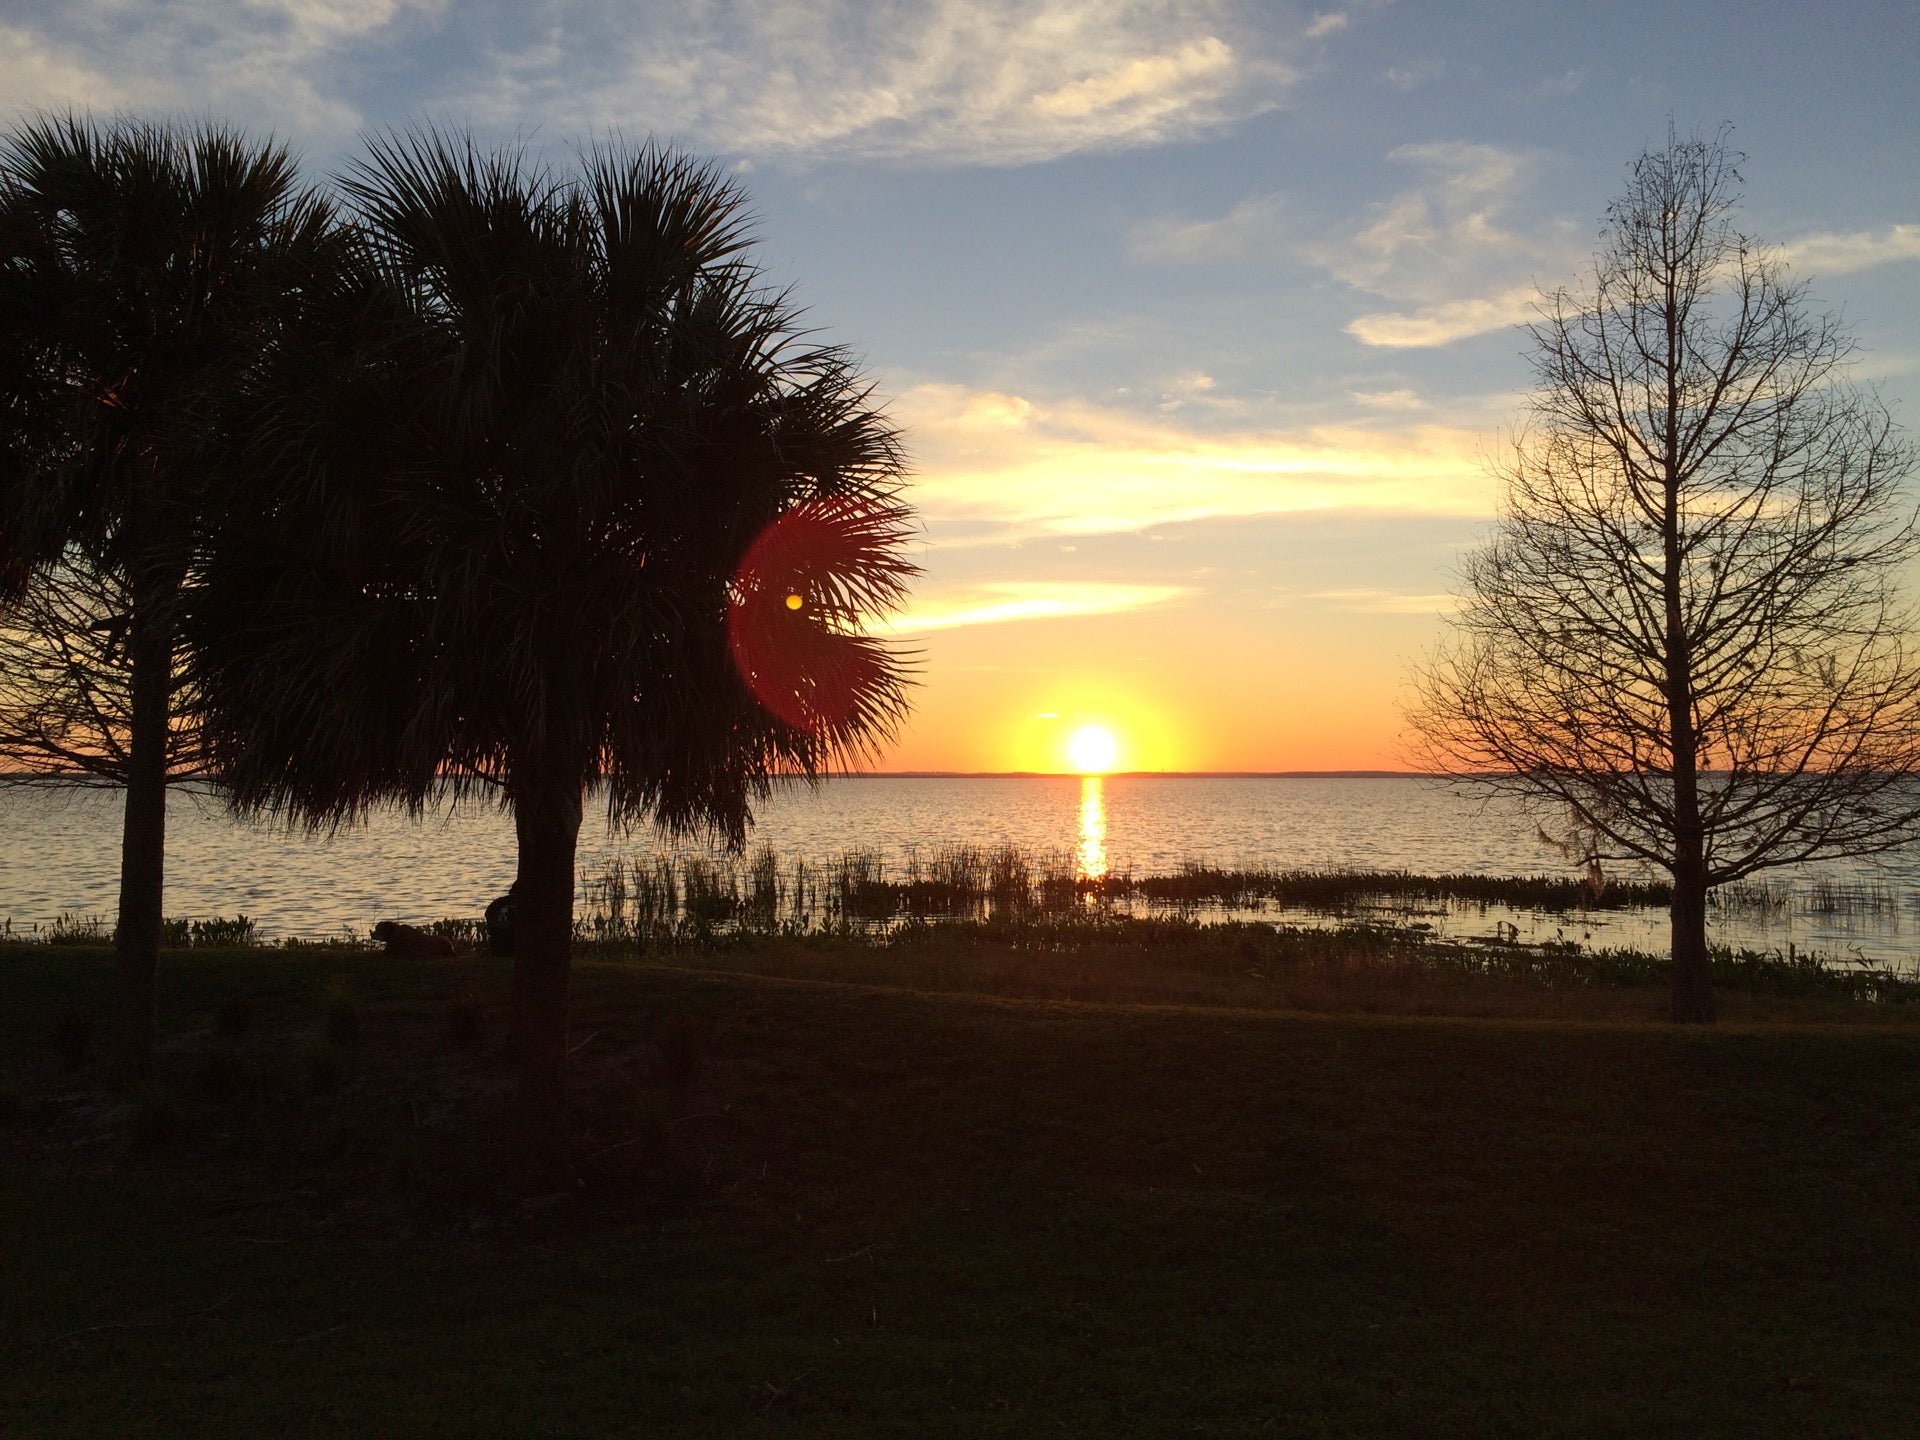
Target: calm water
60	854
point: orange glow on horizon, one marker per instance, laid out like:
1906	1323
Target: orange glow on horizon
1007	698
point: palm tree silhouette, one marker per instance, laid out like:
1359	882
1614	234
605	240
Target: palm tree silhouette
141	267
552	468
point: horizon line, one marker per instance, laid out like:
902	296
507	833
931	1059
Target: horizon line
1133	775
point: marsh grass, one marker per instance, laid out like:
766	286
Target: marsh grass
1825	897
176	933
666	897
69	929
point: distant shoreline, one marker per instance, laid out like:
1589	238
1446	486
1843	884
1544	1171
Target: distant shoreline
1134	775
36	775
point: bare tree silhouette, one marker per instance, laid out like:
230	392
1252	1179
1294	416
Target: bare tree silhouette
66	681
1685	631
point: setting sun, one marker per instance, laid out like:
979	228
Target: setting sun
1093	750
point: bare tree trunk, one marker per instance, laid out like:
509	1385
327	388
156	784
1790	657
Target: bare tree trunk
1692	976
546	818
1692	979
143	843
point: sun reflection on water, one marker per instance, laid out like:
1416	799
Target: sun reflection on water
1093	828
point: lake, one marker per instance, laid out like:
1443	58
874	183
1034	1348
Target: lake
61	854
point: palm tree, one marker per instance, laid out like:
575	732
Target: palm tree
139	269
556	475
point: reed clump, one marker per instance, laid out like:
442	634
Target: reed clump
670	898
176	932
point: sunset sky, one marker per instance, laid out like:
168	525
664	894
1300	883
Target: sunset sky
1198	317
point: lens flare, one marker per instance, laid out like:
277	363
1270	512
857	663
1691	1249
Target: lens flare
804	658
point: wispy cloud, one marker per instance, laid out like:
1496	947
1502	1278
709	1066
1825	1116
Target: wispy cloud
1401	399
38	73
1252	225
1002	466
1153	75
1446	322
1332	21
1002	602
1451	224
1558	87
1839	253
1448	249
283	63
992	81
1450	221
1415	73
1445	247
1383	602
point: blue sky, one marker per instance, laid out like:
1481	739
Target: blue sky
1198	316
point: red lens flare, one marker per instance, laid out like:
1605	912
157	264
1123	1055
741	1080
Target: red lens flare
798	664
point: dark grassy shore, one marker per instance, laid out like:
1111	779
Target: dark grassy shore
1140	1181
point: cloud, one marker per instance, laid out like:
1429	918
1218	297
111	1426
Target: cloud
1448	249
35	74
1327	24
994	467
1384	602
1403	232
1389	399
1568	82
1136	79
1253	225
992	81
1446	322
1413	76
1450	225
1001	602
1444	248
1449	222
275	62
988	81
1842	253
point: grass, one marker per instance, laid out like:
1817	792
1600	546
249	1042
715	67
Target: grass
765	893
1094	1181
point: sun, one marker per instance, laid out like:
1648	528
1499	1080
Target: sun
1093	750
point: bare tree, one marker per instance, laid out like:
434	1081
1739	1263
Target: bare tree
1685	630
66	681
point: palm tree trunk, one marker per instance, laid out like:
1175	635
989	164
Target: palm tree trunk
143	843
546	821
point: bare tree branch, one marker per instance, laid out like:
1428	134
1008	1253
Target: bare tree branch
66	681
